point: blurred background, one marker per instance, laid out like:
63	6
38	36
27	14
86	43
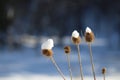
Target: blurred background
25	24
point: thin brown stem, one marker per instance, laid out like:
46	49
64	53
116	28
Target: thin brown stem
80	63
82	34
103	76
56	66
70	71
91	60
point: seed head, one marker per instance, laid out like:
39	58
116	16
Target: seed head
46	48
89	35
67	49
103	70
47	52
75	37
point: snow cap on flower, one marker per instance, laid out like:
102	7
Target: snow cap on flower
89	35
48	44
75	34
88	30
75	37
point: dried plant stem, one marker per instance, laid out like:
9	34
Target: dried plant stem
68	59
80	63
103	76
82	34
56	66
91	60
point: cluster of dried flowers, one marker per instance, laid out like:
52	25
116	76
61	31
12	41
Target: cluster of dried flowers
47	46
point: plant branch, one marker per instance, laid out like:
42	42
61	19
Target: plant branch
80	63
56	66
91	60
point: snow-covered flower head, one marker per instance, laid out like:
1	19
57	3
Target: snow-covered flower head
75	37
88	30
89	35
47	47
48	44
75	34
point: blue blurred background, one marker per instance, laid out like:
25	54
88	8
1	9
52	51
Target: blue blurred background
25	24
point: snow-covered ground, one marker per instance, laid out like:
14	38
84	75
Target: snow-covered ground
46	77
29	64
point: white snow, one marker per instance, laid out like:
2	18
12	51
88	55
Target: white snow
88	30
48	44
48	77
75	34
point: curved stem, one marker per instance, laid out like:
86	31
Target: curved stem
56	66
68	59
91	60
80	63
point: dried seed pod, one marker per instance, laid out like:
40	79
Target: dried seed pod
89	35
47	52
46	48
103	70
67	49
76	40
75	37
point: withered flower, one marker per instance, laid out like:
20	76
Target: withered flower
103	70
47	48
47	52
89	35
75	37
67	49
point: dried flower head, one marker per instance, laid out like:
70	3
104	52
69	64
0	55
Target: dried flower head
67	49
75	37
103	70
47	48
47	52
89	35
